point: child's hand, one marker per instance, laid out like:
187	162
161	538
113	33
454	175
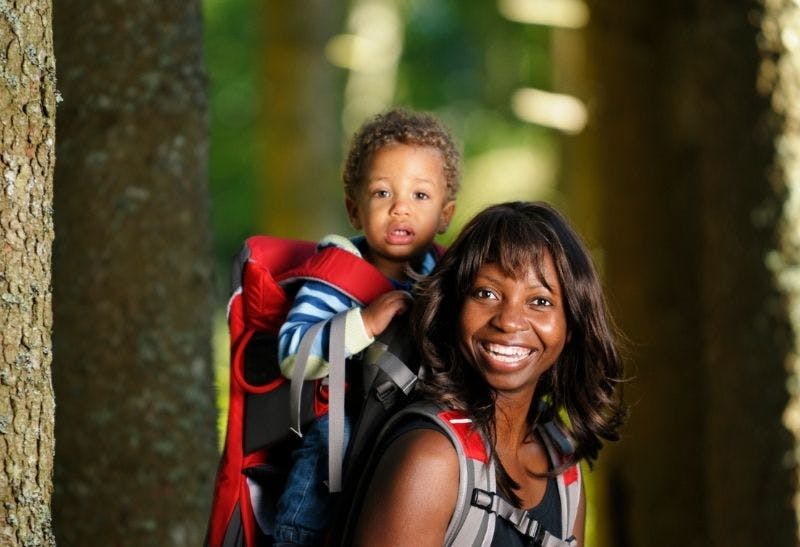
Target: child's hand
382	310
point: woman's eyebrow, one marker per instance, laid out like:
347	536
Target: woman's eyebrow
538	284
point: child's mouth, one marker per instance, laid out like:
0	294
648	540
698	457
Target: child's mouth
400	236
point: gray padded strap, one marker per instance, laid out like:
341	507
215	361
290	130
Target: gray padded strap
570	494
296	388
336	384
518	518
397	370
371	355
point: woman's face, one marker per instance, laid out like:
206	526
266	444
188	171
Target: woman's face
514	329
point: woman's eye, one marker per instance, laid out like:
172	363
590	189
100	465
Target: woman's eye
541	301
484	294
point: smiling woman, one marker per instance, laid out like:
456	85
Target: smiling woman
514	327
533	339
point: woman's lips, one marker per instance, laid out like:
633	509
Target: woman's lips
506	354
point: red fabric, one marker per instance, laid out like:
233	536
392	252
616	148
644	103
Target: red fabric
571	475
249	523
229	477
471	439
352	275
272	264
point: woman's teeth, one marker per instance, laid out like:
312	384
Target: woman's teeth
507	354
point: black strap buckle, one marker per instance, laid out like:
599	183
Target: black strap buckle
483	500
537	535
384	391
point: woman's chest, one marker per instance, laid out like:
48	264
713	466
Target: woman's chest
527	466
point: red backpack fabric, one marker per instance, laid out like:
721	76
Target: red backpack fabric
265	275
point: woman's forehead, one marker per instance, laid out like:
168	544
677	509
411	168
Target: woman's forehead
534	266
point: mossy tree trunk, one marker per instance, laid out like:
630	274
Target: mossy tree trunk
27	137
133	377
693	179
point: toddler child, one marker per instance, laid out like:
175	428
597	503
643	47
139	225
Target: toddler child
400	178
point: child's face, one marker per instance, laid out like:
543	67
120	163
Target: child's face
401	205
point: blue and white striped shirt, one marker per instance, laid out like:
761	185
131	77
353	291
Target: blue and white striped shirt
315	302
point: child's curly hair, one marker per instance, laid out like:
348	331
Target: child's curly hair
400	126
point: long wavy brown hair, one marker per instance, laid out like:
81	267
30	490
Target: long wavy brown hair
585	380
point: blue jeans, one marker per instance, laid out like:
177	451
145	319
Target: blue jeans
304	508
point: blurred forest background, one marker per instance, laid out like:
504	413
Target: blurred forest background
289	87
668	131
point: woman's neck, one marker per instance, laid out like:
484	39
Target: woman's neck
511	417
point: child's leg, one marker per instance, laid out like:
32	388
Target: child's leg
304	511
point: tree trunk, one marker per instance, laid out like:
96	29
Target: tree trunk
302	148
690	228
27	130
133	377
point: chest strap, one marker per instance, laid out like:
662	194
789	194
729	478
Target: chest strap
520	519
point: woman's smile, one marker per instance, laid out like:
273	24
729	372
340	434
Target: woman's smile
514	328
506	354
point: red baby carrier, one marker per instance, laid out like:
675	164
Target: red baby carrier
258	442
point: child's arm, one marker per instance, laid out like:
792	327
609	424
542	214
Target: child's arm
317	302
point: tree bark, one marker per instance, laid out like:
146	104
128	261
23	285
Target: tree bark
133	377
691	183
27	132
779	216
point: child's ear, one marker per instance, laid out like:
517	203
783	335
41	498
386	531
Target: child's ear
446	216
352	212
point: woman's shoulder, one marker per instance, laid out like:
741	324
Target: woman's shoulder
419	440
416	481
465	437
425	444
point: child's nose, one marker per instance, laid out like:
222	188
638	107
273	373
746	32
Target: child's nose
401	206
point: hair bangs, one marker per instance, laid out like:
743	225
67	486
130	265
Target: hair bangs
518	246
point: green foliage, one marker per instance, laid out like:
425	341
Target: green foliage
461	60
464	60
232	30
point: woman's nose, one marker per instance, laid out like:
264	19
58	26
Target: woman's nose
510	317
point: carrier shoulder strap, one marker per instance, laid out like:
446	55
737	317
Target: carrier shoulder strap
470	525
569	481
478	503
362	282
339	268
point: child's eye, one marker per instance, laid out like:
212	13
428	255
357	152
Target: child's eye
421	195
381	193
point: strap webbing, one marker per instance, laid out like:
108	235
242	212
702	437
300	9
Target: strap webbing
398	371
336	389
371	355
296	388
518	518
336	385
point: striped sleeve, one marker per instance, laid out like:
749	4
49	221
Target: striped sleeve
317	302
